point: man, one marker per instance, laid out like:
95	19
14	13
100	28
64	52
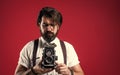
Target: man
49	21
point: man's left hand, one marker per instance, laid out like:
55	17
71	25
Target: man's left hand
61	68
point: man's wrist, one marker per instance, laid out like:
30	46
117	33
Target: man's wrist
71	71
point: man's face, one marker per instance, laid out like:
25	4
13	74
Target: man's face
48	28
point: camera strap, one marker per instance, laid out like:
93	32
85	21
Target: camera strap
35	51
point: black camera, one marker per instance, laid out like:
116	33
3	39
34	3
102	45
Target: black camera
49	57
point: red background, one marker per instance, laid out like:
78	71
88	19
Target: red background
93	27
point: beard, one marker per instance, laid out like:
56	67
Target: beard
49	36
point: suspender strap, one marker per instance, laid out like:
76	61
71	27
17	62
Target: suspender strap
64	51
35	51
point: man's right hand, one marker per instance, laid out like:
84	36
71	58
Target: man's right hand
37	69
21	70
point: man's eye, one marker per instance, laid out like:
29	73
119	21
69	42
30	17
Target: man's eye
45	25
48	25
52	24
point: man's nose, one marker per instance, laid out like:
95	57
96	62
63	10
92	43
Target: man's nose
49	28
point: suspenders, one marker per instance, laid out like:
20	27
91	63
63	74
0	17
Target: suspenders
64	51
36	46
35	51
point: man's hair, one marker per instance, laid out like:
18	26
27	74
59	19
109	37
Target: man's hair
51	13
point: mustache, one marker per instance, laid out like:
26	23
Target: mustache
48	32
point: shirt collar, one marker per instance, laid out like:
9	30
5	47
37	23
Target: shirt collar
42	41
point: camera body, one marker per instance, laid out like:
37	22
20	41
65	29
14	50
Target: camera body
49	57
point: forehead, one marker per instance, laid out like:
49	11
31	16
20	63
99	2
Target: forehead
47	20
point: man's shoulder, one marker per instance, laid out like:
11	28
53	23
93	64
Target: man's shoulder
67	43
29	44
28	47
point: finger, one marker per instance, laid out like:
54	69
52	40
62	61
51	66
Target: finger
46	70
64	71
61	71
63	68
57	69
57	63
60	64
40	62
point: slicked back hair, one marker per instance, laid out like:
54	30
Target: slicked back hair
51	13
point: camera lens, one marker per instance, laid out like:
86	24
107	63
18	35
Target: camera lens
48	53
49	60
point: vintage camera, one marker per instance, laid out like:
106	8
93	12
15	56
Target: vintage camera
49	57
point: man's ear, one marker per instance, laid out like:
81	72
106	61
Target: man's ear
58	26
38	24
